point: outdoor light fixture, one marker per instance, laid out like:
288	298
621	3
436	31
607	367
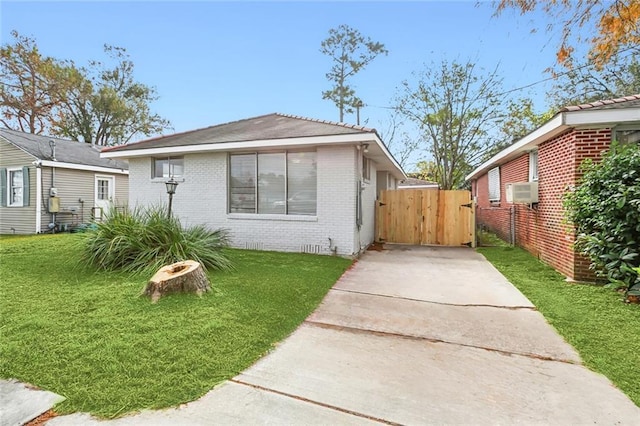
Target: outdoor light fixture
366	148
171	189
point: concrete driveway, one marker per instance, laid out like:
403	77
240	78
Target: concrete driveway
412	335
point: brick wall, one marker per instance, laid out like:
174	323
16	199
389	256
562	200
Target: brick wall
542	230
589	144
201	198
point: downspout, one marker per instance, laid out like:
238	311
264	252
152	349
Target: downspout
52	144
38	198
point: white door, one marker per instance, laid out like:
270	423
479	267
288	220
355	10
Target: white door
104	195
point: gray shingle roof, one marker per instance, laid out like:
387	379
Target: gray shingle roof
271	126
417	182
67	151
624	102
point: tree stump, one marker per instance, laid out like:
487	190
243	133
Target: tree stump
181	277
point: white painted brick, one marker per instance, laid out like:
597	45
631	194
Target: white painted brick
202	199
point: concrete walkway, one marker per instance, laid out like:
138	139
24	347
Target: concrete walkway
411	335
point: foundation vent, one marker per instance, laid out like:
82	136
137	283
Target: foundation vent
311	248
254	246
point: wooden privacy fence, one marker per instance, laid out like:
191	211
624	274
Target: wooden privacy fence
426	216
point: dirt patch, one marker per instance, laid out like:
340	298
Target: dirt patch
42	418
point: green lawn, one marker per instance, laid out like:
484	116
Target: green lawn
88	336
605	331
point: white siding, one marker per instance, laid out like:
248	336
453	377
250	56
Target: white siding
369	195
73	186
201	198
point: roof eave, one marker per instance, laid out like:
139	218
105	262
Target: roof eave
551	128
353	138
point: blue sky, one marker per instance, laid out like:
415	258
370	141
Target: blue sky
214	62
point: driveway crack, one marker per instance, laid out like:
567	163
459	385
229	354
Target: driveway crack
435	340
463	305
311	401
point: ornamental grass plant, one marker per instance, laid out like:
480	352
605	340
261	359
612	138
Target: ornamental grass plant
145	239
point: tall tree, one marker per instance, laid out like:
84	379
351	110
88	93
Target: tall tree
457	107
350	52
106	106
31	86
617	24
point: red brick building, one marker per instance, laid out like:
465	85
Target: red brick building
519	191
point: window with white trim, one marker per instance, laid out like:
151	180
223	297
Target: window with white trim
273	183
494	184
626	135
15	187
533	166
168	167
366	169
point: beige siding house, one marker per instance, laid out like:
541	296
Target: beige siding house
49	184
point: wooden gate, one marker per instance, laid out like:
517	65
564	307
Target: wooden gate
426	216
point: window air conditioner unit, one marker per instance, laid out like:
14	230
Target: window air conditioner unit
522	192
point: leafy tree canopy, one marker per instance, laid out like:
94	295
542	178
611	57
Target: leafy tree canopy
97	104
616	23
457	107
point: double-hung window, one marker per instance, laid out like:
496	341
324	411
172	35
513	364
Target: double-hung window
494	184
168	167
533	166
626	135
273	183
15	186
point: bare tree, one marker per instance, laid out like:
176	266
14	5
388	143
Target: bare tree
457	108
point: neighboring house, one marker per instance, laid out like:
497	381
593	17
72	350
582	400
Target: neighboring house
276	182
519	191
46	181
413	183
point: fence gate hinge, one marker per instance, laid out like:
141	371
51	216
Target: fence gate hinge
467	244
381	204
467	205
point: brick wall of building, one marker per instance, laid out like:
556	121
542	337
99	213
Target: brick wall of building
541	229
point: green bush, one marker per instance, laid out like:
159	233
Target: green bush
605	210
144	240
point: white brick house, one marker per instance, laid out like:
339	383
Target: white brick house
276	182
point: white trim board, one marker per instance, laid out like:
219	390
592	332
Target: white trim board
72	166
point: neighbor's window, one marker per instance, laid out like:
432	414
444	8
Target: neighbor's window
102	190
631	135
273	183
494	184
168	167
15	187
533	166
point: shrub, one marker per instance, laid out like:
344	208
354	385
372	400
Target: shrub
144	240
605	210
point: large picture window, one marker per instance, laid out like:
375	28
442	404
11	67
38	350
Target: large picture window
273	183
168	167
